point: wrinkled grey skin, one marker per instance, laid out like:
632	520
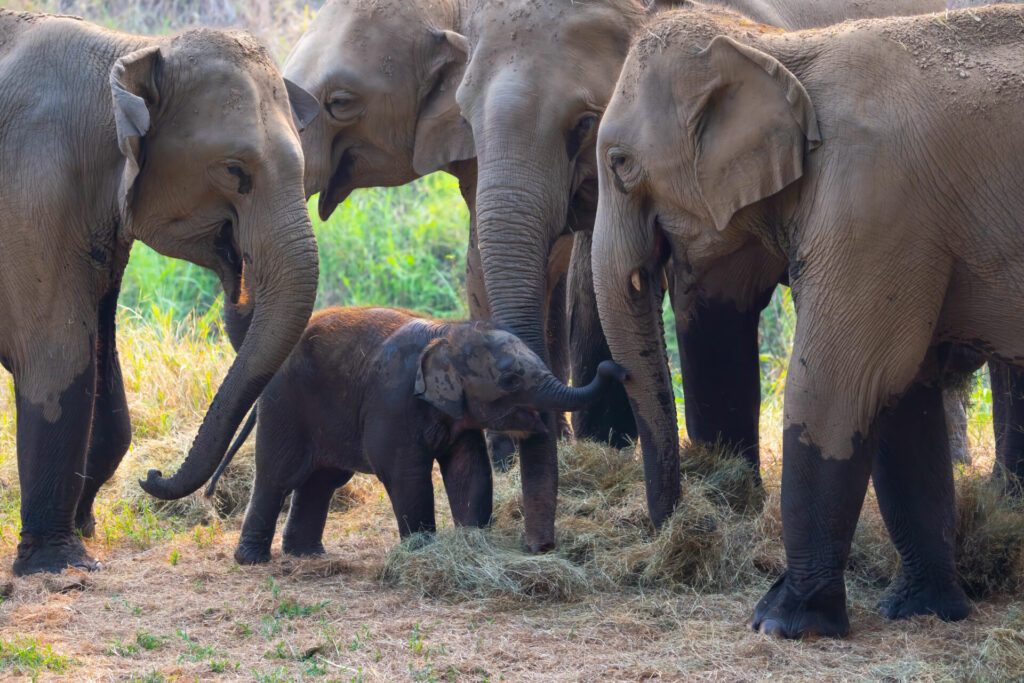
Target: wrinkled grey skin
385	392
187	143
537	83
726	142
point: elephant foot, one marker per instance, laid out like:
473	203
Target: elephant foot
302	547
909	598
788	611
52	554
248	553
85	523
503	451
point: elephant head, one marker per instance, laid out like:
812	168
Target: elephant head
700	139
385	74
487	378
537	82
212	173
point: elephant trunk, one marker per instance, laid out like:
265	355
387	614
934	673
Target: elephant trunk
552	394
629	298
282	274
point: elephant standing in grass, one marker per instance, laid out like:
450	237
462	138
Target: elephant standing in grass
189	144
386	392
878	163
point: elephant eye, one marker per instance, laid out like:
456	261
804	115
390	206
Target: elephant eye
232	177
343	106
622	168
510	381
581	133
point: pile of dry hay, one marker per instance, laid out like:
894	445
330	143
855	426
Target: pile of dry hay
725	535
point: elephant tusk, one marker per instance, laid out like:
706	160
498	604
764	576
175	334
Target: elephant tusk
636	281
664	280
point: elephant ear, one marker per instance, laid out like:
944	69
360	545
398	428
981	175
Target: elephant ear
305	107
751	130
437	381
134	90
442	135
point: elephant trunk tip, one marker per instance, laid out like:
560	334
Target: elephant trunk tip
610	370
157	486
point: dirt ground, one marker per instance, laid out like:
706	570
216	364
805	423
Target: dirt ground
182	610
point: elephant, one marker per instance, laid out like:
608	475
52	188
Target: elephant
878	163
534	115
387	392
386	75
188	144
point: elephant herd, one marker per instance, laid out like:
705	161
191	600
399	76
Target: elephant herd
868	155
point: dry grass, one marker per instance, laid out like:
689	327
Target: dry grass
614	602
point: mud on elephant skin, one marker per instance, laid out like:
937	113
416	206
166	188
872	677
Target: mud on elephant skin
103	136
688	170
386	392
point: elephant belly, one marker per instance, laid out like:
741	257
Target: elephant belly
986	316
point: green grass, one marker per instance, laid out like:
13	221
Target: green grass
28	657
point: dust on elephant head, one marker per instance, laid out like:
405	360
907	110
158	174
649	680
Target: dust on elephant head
385	74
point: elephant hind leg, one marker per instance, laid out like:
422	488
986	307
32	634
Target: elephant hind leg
304	530
111	426
914	481
1008	421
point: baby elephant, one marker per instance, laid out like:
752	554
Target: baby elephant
386	392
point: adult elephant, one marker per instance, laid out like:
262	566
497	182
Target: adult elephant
537	83
386	75
733	148
187	144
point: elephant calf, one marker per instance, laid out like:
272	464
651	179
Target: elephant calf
386	392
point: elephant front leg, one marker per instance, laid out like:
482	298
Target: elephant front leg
913	477
1008	420
467	480
304	530
611	419
719	359
55	403
111	427
821	501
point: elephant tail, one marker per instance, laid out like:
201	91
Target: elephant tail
235	447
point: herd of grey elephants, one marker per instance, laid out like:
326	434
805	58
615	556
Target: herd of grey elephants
610	152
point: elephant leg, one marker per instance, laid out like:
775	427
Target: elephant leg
111	426
265	505
821	501
913	477
55	405
558	344
411	491
611	419
304	530
953	405
719	358
1008	419
467	480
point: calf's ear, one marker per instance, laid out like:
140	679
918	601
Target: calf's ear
305	107
133	87
437	381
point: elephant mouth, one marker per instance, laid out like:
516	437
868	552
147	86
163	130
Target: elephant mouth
521	423
230	270
339	187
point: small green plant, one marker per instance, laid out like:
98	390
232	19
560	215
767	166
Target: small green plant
279	651
416	643
28	657
120	648
194	652
273	587
291	608
278	675
174	557
148	641
151	677
361	637
219	666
